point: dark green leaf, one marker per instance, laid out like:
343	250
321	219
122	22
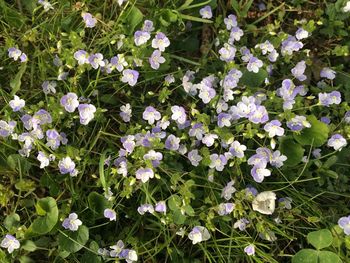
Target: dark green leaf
73	241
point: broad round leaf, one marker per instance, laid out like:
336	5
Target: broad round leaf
316	135
320	239
74	241
306	256
328	257
47	210
292	150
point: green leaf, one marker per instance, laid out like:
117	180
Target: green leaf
25	185
316	135
174	202
12	221
15	83
18	163
328	257
73	241
320	239
133	18
48	212
194	18
292	150
252	79
29	245
97	202
178	217
306	256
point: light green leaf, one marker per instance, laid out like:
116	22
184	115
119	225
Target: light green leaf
316	135
15	83
48	216
320	239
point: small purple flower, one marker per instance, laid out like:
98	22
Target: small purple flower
110	214
327	73
141	37
206	93
316	153
206	12
274	128
194	157
325	120
72	222
290	45
259	115
154	157
347	117
66	165
128	143
276	159
228	191
116	249
169	79
237	149
225	208
49	87
53	139
125	112
70	102
156	59
254	64
227	53
250	250
151	115
86	113
337	141
344	223
265	47
273	56
224	120
241	224
145	208
230	22
179	114
259	172
246	55
285	202
160	41
17	104
96	60
10	242
235	35
172	142
301	34
199	234
327	99
218	162
89	20
197	131
82	57
148	26
43	159
41	117
144	174
298	71
160	207
209	139
14	53
119	62
130	76
298	123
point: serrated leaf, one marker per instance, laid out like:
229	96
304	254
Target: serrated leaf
320	239
316	135
73	241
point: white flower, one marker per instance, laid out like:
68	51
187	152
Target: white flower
346	8
10	242
16	104
265	202
72	222
198	234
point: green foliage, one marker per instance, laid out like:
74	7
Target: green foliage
73	241
292	150
316	135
